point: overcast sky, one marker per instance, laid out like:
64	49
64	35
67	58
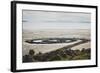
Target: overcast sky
55	20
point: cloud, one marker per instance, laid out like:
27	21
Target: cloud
57	20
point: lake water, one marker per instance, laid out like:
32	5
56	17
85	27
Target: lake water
79	33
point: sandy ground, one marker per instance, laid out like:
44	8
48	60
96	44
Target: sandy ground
79	47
